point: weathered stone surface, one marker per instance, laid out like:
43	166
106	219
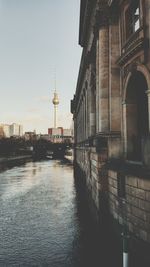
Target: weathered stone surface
143	235
144	205
113	190
144	184
112	182
147	196
112	174
132	181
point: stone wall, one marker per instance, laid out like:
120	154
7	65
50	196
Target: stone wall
92	164
134	208
128	203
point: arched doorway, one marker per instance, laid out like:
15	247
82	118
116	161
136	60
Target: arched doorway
136	115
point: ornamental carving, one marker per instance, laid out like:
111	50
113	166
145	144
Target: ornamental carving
106	14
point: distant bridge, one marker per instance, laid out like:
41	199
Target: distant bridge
51	150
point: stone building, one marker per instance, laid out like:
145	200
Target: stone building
111	109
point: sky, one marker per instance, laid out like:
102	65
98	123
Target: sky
38	40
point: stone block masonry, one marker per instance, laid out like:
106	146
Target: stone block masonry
137	204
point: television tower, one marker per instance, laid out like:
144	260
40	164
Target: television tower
55	102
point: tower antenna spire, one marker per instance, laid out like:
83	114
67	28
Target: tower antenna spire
55	85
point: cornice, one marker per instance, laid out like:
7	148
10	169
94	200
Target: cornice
102	16
85	15
107	13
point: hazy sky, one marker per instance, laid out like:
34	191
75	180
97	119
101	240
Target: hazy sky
36	38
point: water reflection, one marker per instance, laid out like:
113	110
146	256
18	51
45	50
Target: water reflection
37	215
45	219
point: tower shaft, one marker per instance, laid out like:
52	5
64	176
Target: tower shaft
55	116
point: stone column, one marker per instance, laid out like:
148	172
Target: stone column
148	95
97	86
82	119
92	113
114	78
103	79
84	116
146	20
86	110
125	128
79	125
92	102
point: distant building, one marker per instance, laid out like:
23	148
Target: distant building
55	132
60	135
1	132
21	130
16	129
45	137
67	132
7	130
30	136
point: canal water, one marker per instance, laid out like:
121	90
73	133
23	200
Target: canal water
45	221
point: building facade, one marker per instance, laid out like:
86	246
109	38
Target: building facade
11	130
16	129
60	135
6	130
111	110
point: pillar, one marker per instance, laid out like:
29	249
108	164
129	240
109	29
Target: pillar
103	80
148	95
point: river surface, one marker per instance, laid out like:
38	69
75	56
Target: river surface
43	219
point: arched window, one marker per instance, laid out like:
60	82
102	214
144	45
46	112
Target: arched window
136	115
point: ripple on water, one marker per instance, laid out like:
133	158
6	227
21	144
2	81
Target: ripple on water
37	212
42	222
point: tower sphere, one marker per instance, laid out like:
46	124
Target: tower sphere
55	99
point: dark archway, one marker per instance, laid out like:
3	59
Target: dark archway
136	115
